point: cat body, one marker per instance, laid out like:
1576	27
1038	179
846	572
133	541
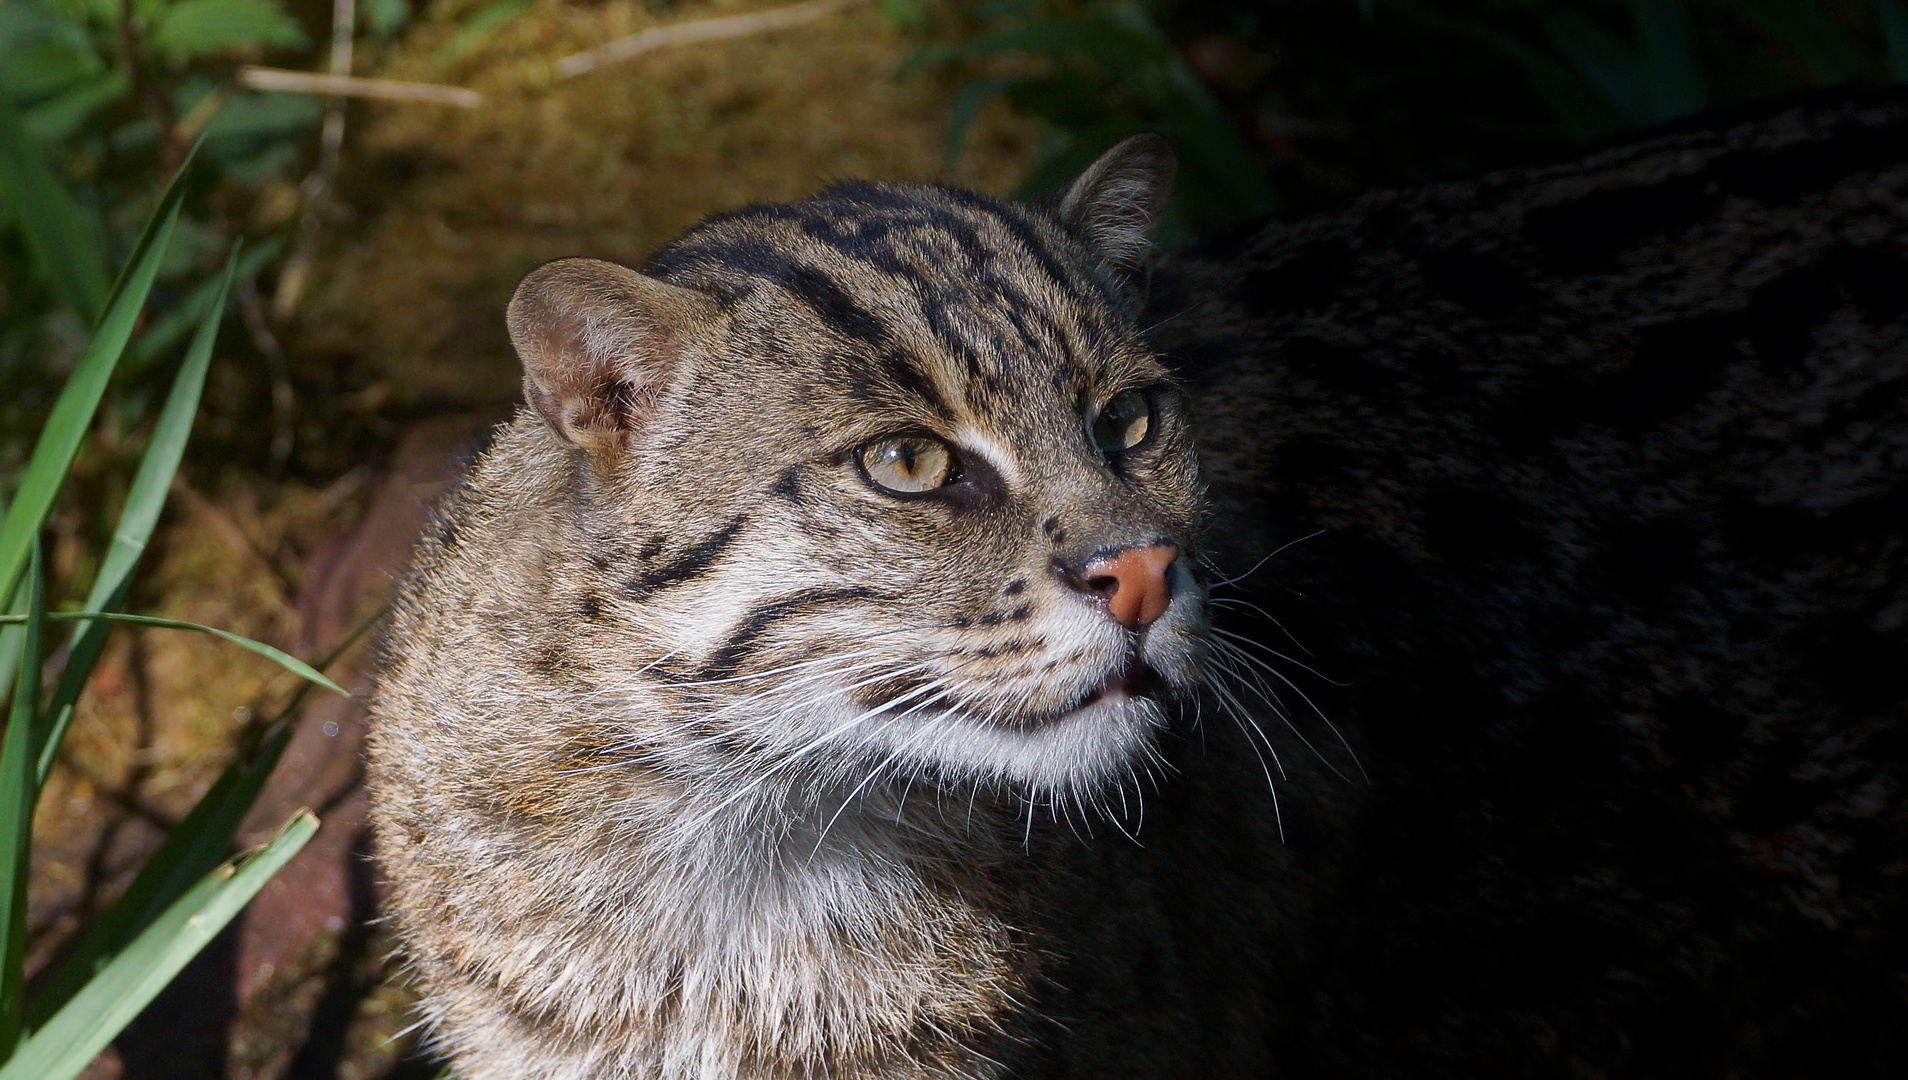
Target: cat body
711	705
1569	498
1604	466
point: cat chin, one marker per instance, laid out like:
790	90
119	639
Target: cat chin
1097	745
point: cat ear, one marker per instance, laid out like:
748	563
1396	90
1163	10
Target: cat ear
598	344
1117	201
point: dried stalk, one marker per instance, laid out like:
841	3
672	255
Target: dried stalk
659	37
304	82
316	190
171	149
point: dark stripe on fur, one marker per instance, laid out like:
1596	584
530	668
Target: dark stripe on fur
687	565
747	636
834	306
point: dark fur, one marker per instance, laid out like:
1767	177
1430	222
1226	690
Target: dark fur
1610	465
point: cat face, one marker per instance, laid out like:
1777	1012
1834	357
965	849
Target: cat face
887	483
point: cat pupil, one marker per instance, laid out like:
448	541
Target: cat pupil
1123	423
907	464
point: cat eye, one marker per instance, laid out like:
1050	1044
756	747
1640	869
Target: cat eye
908	464
1123	422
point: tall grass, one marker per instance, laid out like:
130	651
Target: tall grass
189	889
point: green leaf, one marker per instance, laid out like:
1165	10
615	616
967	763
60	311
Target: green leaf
110	1000
195	28
1894	26
386	17
254	138
43	51
282	659
1606	62
906	14
137	518
59	116
193	847
1822	42
480	27
73	411
61	238
1669	60
17	795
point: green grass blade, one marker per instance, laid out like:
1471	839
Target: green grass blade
110	1000
136	519
17	795
10	636
61	241
282	659
192	849
79	398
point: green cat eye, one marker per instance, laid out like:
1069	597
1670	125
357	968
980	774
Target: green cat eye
1123	422
908	464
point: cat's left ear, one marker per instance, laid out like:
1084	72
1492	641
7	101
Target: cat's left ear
1117	201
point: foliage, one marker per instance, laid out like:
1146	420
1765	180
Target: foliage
98	101
187	892
1283	102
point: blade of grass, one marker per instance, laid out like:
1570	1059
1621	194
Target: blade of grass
136	519
10	635
193	847
73	411
282	659
111	999
62	243
17	792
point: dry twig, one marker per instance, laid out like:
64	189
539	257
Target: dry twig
305	82
316	190
657	37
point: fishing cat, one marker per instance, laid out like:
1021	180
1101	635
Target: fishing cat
825	542
776	696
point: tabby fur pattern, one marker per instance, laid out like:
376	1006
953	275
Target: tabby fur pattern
698	755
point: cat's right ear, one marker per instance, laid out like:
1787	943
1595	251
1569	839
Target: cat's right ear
1119	198
599	342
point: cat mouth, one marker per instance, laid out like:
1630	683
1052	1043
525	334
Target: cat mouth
1133	679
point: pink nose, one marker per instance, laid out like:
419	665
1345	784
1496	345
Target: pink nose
1133	582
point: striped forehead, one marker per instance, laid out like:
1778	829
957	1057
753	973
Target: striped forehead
957	301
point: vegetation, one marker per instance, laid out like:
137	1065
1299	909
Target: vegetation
1281	103
187	891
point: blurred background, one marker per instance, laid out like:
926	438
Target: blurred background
383	227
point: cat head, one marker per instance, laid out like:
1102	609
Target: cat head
885	480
